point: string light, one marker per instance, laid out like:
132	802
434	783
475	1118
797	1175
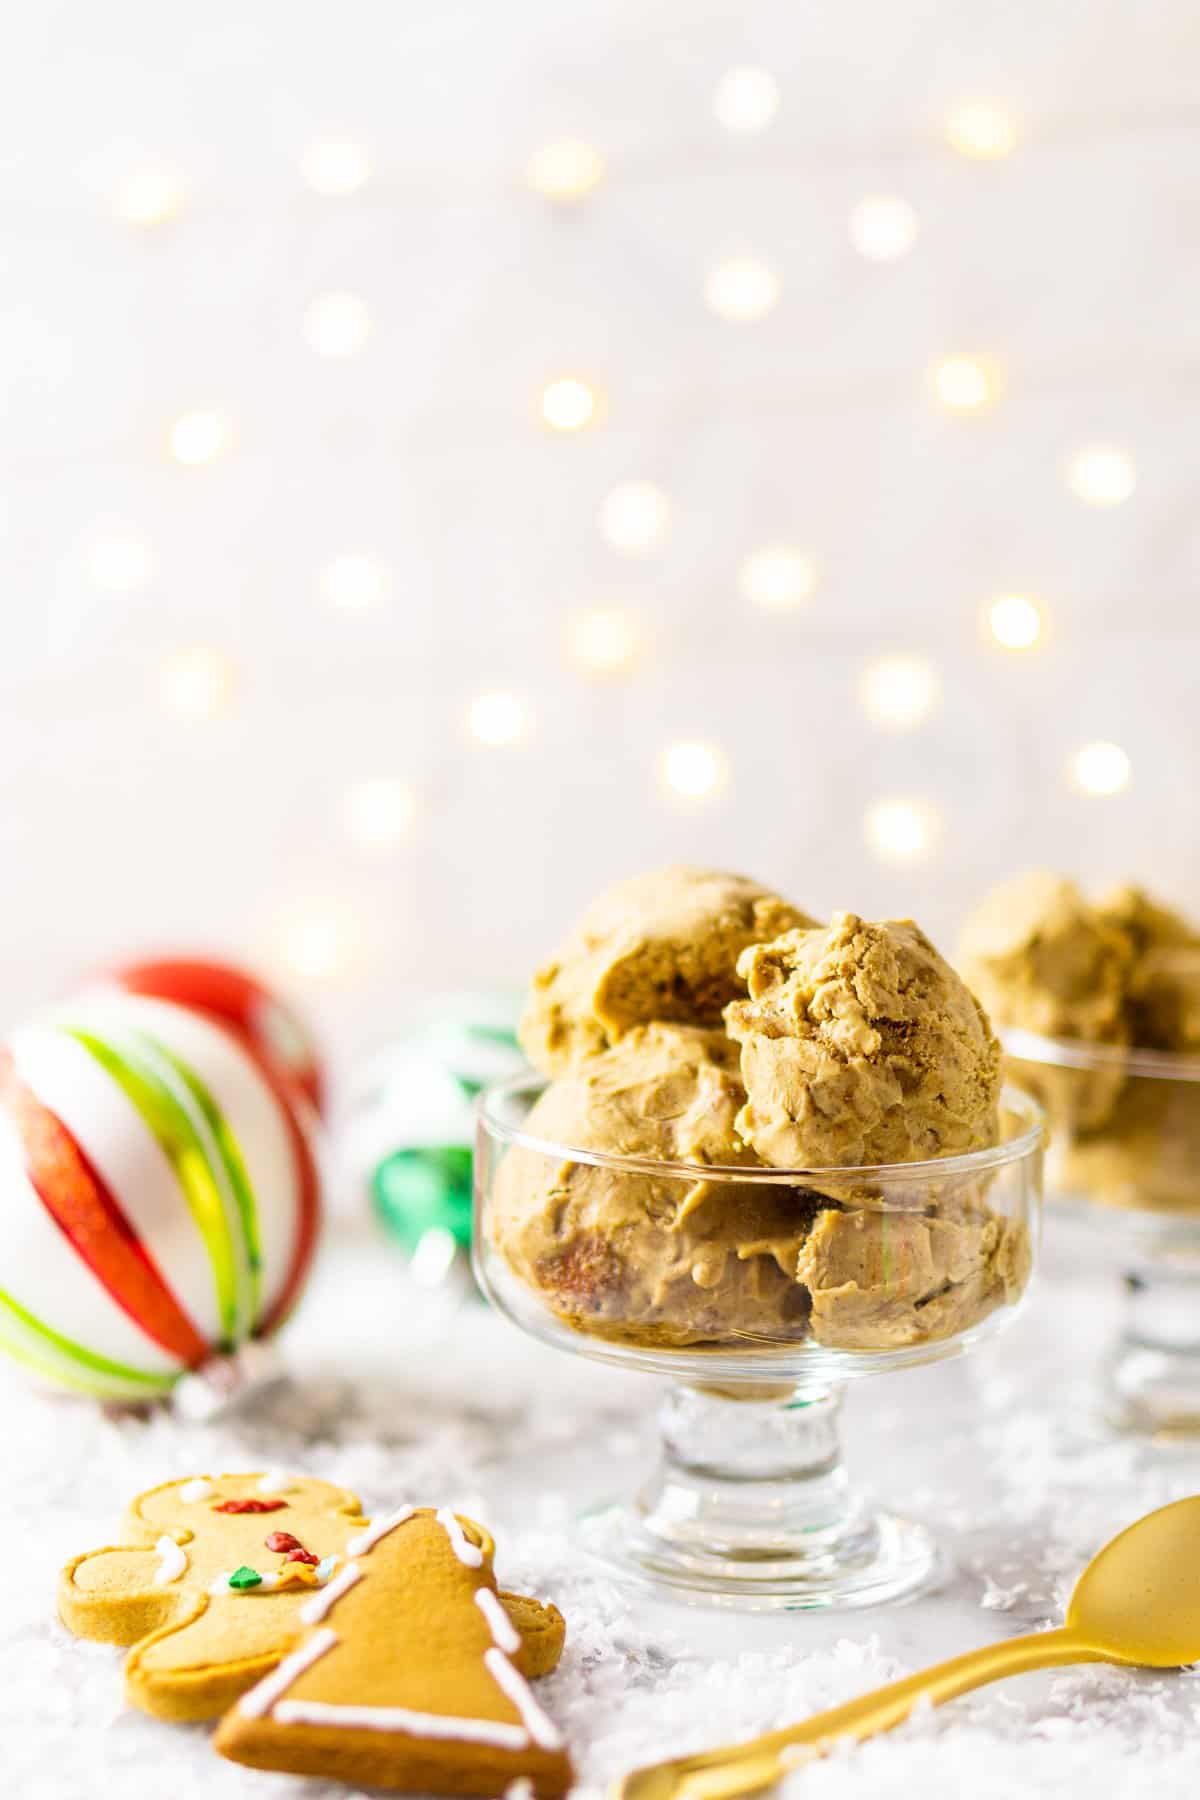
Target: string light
150	196
981	129
335	167
1101	475
196	684
121	562
1015	622
966	384
497	718
1101	768
693	770
337	324
197	437
379	813
566	169
354	582
902	830
569	404
604	640
741	289
778	577
883	227
314	946
746	99
634	517
899	692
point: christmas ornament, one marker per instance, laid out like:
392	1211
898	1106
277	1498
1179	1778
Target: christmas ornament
266	1024
160	1196
412	1125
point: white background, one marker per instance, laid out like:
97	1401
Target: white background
1074	263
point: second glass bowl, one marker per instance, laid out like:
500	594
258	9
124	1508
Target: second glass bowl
760	1292
1124	1160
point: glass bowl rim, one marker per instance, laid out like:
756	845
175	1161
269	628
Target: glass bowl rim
972	1162
1078	1053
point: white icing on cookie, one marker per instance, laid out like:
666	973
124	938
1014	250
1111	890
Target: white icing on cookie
276	1481
541	1728
172	1561
318	1604
398	1718
262	1698
199	1489
460	1543
504	1632
368	1538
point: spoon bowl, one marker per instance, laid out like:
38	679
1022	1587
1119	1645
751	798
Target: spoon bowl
1138	1600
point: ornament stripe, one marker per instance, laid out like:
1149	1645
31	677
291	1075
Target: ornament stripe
83	1208
232	1160
49	1350
169	1123
297	1113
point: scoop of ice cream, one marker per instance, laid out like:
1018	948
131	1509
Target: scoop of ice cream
860	1044
649	1258
1147	923
884	1280
1041	957
662	946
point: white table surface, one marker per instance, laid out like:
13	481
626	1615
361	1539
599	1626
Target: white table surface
399	1393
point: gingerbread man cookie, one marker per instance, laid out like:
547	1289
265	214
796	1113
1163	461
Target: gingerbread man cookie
210	1580
411	1675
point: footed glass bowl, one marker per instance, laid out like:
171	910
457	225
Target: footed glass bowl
1125	1141
760	1292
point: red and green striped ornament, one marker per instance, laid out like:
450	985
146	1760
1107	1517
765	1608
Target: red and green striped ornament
159	1191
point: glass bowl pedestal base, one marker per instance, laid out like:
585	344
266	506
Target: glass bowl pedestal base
751	1508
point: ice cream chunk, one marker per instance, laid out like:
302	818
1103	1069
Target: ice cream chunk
860	1044
659	947
1041	957
883	1280
649	1258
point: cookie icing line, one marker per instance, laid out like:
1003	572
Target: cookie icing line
199	1489
172	1561
504	1633
370	1536
262	1698
318	1604
276	1481
460	1543
539	1725
398	1718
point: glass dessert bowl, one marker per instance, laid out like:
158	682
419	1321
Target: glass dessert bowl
1124	1162
761	1292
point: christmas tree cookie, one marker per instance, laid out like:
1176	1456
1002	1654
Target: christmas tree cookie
210	1581
411	1676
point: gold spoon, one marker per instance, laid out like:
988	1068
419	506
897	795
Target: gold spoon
1136	1603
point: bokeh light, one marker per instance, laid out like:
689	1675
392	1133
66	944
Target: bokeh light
566	169
1101	768
899	692
981	129
741	288
197	437
337	324
379	813
197	683
1015	622
634	517
746	99
1101	475
778	576
569	404
693	770
335	167
498	718
604	640
354	582
902	830
883	227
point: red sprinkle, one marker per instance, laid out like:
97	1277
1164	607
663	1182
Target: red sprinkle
249	1506
279	1541
302	1556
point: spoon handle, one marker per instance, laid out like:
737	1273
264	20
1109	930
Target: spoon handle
744	1768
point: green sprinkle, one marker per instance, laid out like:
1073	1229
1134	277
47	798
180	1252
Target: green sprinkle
245	1577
